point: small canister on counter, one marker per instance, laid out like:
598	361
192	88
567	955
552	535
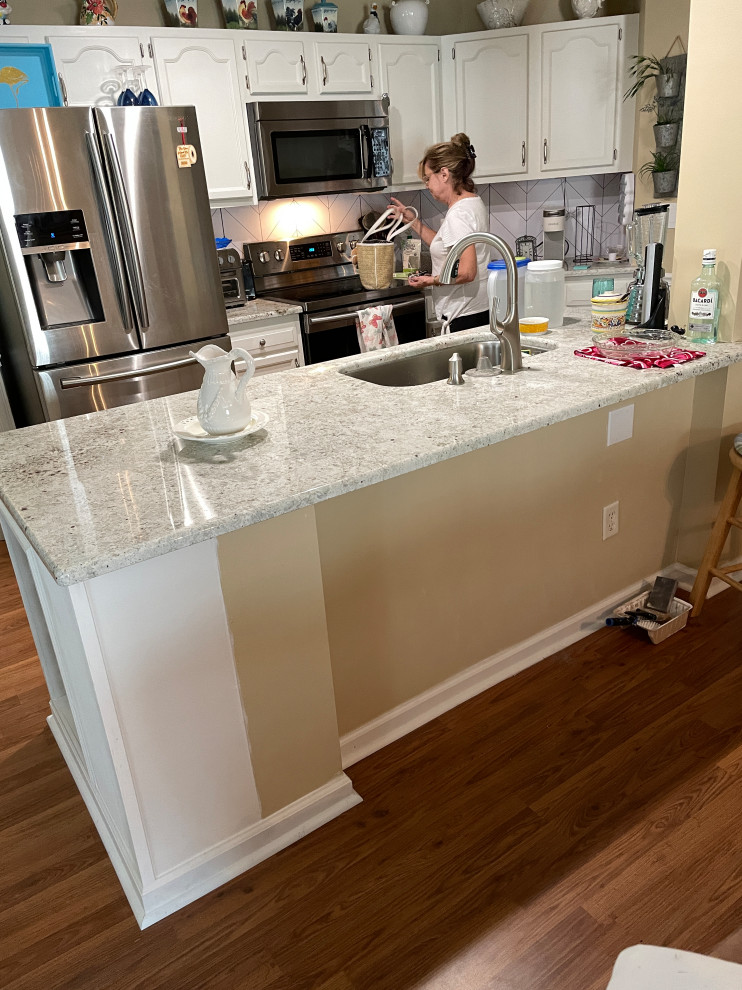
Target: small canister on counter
496	285
608	313
545	291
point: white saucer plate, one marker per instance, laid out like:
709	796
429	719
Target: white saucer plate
191	429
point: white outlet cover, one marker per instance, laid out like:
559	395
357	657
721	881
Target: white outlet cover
620	425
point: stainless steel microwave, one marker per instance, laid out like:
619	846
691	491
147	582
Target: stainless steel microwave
307	149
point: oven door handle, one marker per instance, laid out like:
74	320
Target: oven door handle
316	323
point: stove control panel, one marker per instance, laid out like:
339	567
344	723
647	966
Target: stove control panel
302	254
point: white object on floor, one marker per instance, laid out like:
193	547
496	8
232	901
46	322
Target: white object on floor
652	967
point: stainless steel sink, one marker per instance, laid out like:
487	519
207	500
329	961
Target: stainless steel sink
432	366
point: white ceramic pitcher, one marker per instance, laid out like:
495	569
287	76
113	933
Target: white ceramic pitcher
223	405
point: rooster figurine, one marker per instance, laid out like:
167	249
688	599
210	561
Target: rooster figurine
5	10
188	15
247	10
372	25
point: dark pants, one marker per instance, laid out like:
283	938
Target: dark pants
469	322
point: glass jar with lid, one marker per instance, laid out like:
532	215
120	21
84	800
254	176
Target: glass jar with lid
545	291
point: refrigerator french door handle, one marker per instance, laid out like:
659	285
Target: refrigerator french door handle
131	251
119	272
118	376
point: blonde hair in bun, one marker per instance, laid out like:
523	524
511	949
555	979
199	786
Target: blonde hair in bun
457	155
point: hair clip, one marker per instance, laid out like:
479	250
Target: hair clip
470	151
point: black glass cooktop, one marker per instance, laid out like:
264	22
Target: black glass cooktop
315	296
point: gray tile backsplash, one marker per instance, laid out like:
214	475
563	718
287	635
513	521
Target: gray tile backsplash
515	208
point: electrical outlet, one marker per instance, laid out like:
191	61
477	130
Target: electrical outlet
610	520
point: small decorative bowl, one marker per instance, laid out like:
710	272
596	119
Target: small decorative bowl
608	313
645	344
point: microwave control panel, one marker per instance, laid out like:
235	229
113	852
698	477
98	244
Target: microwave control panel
380	151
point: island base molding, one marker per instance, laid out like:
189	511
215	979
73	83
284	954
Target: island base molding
405	718
216	867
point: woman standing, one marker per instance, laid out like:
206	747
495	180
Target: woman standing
446	170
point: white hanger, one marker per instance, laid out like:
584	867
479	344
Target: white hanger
393	224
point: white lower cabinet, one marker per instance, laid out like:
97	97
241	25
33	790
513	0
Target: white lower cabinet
93	70
274	344
202	72
410	74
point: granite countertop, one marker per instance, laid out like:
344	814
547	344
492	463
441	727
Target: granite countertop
259	309
98	492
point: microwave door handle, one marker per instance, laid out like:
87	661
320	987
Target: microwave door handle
366	151
131	251
109	222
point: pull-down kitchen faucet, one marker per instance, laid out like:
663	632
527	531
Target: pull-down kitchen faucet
507	332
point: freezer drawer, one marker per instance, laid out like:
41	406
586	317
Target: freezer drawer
86	388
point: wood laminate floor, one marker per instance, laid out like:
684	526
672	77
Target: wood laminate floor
518	842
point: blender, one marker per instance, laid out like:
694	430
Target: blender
649	294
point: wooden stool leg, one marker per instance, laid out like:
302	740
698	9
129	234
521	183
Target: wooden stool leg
716	542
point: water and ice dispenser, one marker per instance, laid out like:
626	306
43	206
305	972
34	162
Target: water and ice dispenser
60	268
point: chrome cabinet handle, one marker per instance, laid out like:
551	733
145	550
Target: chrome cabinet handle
248	176
262	341
119	376
63	87
303	70
523	154
324	70
546	150
119	272
128	235
296	363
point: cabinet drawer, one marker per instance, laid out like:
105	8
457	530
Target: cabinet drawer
259	342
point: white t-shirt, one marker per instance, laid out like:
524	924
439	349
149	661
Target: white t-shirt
465	216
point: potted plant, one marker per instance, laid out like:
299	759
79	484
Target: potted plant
646	67
663	168
666	129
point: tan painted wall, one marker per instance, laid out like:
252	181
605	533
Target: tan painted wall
432	572
709	194
272	588
444	17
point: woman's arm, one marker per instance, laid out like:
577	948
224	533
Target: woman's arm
418	226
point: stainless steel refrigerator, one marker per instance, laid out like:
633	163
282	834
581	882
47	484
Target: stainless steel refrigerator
109	273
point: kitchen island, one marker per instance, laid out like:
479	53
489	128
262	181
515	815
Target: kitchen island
223	628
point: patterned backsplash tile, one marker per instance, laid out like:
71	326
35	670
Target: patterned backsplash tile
515	208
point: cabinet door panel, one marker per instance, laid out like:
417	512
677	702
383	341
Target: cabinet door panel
492	101
204	75
93	71
343	67
276	66
411	77
579	93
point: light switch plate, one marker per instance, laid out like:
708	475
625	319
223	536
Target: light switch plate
620	425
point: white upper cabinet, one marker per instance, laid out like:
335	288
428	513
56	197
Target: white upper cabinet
410	74
93	70
579	97
276	65
492	100
343	66
202	72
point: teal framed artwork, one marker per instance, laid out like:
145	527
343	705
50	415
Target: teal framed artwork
28	77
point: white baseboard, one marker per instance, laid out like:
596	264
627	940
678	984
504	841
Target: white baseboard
394	724
216	866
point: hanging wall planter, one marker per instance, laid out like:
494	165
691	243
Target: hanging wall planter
664	183
666	135
668	85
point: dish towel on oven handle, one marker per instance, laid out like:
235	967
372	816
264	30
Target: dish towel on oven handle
375	326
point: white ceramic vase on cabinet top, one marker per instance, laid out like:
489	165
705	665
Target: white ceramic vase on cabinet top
409	16
587	8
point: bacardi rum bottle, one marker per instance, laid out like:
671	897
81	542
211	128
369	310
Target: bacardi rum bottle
705	308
